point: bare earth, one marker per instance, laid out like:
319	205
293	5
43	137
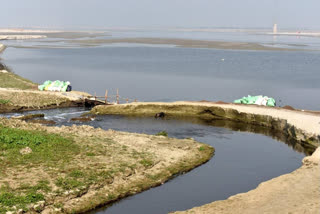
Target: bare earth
296	192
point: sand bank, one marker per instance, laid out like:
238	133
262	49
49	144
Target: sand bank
307	34
21	37
189	43
21	30
32	33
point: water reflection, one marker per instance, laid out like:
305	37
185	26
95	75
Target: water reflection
244	127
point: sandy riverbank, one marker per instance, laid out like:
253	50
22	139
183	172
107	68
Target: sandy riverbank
21	37
22	34
297	192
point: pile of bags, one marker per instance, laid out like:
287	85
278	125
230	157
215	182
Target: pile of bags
257	100
57	85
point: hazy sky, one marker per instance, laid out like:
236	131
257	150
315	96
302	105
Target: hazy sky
298	14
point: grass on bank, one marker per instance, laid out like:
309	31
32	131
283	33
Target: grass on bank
11	80
4	101
62	159
162	133
46	148
80	160
25	195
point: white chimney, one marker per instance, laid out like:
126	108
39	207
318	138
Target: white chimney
275	29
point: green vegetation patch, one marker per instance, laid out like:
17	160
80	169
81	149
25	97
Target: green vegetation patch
45	148
162	133
11	80
4	101
21	197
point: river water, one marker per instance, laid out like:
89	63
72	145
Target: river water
163	73
171	74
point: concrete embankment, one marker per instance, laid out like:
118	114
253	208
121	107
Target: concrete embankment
301	126
296	192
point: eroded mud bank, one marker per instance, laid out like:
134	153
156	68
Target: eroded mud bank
301	126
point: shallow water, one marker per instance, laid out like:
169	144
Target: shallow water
242	159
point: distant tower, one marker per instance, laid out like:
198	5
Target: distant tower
275	29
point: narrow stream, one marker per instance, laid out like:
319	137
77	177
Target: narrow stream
243	159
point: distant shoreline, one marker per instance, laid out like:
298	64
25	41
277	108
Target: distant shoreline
187	43
74	39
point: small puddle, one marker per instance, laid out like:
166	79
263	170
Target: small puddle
245	156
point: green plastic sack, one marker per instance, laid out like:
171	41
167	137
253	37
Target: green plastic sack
268	101
271	102
44	85
56	85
